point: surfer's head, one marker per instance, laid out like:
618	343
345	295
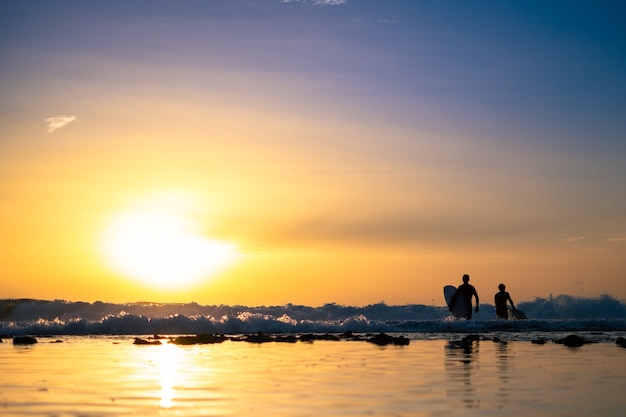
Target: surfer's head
466	278
501	287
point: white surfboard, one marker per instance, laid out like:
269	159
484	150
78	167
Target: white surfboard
459	308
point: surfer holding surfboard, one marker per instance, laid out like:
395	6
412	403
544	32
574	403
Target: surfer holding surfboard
500	299
460	303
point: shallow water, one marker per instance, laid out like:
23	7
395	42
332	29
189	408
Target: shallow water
109	376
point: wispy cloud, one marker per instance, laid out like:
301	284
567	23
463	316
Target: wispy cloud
329	2
571	239
619	238
376	20
318	2
57	122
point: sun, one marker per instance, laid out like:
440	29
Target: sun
159	242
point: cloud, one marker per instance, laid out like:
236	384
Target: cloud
621	237
376	20
571	239
318	2
329	2
58	122
409	228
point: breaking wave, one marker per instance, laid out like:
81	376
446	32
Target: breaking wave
562	313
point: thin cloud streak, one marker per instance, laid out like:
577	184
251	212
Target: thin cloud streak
57	122
318	2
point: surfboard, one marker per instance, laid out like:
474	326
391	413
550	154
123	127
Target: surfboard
459	308
516	314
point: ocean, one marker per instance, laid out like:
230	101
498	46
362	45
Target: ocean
104	359
562	313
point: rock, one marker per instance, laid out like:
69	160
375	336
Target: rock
198	339
466	343
24	340
260	337
383	339
621	342
139	341
572	341
309	337
540	341
285	339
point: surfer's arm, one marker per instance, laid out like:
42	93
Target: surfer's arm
477	301
510	300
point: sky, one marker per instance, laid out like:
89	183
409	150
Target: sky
311	151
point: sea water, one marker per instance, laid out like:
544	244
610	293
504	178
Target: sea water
86	364
110	376
562	313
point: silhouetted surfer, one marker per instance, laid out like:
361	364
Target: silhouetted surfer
501	298
467	291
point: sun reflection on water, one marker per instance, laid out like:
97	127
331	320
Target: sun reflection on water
167	361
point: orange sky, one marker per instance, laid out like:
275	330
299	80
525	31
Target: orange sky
335	168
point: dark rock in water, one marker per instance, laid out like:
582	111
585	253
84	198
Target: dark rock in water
309	337
621	342
572	341
465	343
57	341
139	341
540	341
469	339
24	340
286	339
400	340
383	339
260	337
349	335
198	339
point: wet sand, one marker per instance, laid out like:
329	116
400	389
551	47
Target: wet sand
110	376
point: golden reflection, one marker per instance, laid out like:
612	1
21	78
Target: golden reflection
461	363
167	362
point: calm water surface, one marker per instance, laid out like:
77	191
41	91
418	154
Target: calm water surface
109	376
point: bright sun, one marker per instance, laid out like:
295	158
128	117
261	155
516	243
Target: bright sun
159	243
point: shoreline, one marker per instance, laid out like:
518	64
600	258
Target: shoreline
380	339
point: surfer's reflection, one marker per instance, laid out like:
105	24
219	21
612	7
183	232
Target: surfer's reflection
461	362
504	367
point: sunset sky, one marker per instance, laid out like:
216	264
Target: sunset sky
305	151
